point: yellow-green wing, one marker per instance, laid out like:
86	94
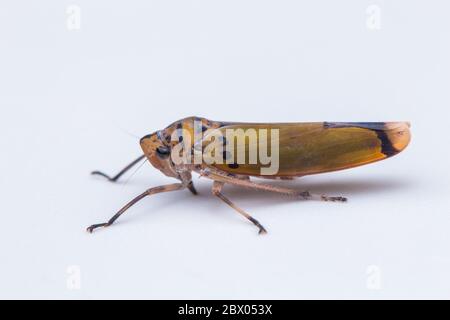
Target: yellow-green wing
315	147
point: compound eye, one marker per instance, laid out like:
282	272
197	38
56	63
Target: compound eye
163	152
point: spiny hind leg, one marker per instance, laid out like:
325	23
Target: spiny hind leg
306	195
216	190
217	175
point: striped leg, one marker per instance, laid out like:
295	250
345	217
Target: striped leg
216	190
149	192
223	177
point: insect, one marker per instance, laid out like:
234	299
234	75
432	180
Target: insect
296	149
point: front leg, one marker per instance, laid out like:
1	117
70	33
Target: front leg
184	174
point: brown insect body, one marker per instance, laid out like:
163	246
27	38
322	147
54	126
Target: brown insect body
304	148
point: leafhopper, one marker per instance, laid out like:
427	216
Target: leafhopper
236	153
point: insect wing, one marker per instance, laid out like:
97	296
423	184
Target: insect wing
309	148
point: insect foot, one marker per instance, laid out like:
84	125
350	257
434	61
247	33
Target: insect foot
334	199
99	173
262	230
303	194
95	226
118	175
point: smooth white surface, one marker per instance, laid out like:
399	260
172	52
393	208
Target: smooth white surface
75	101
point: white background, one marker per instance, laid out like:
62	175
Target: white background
77	100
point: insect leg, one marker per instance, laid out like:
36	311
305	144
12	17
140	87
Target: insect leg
216	190
186	177
191	188
117	176
219	176
149	192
